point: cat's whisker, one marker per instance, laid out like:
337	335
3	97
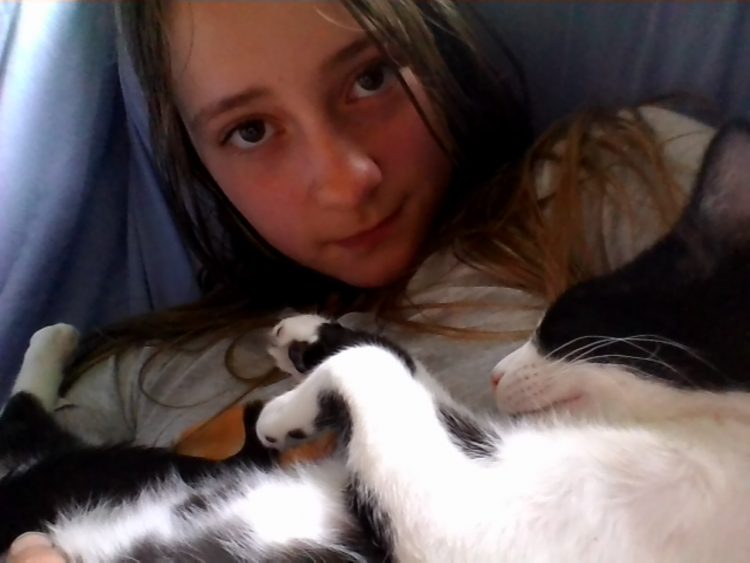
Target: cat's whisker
613	340
598	341
584	353
639	358
639	341
552	353
647	376
652	357
687	349
568	362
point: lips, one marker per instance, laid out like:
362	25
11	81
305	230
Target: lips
372	236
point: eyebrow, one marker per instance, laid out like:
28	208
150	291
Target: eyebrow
347	52
223	105
215	109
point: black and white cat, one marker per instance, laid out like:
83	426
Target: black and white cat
678	315
652	465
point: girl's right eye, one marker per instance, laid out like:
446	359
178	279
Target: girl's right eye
250	134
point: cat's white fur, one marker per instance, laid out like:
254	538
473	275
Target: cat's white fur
303	504
557	490
657	490
43	363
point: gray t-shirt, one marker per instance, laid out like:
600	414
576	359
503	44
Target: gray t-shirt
108	403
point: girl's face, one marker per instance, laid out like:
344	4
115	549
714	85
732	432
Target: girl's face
307	130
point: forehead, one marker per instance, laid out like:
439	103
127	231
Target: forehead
236	40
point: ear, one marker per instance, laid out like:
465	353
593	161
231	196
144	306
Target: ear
720	203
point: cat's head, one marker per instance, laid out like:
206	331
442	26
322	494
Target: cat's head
679	314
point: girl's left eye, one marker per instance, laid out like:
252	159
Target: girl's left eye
373	80
250	135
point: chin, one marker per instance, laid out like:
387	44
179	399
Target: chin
372	283
386	265
372	277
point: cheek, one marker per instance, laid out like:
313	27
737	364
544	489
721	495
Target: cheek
407	150
416	154
270	201
425	142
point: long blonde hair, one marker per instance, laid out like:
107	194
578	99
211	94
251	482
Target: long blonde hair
493	217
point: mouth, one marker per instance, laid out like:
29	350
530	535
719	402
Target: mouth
372	236
567	403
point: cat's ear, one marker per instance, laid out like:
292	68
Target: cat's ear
720	203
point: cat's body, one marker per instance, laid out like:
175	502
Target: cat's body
638	470
560	490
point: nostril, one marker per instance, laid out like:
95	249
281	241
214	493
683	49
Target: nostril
496	377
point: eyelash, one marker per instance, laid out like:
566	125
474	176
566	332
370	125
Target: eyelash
226	137
389	69
387	65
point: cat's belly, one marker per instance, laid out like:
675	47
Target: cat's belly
252	515
679	492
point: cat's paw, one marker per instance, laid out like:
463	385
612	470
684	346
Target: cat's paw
289	417
59	341
50	349
525	382
289	340
361	377
301	343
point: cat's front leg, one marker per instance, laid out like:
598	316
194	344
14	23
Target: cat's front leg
403	457
300	345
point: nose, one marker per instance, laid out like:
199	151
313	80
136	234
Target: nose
345	175
497	375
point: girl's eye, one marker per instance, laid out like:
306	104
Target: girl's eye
373	80
250	134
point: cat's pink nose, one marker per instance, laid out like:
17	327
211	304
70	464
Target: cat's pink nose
497	375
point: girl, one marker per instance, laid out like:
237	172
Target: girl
373	161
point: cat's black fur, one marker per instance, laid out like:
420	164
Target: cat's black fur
56	469
673	312
332	338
